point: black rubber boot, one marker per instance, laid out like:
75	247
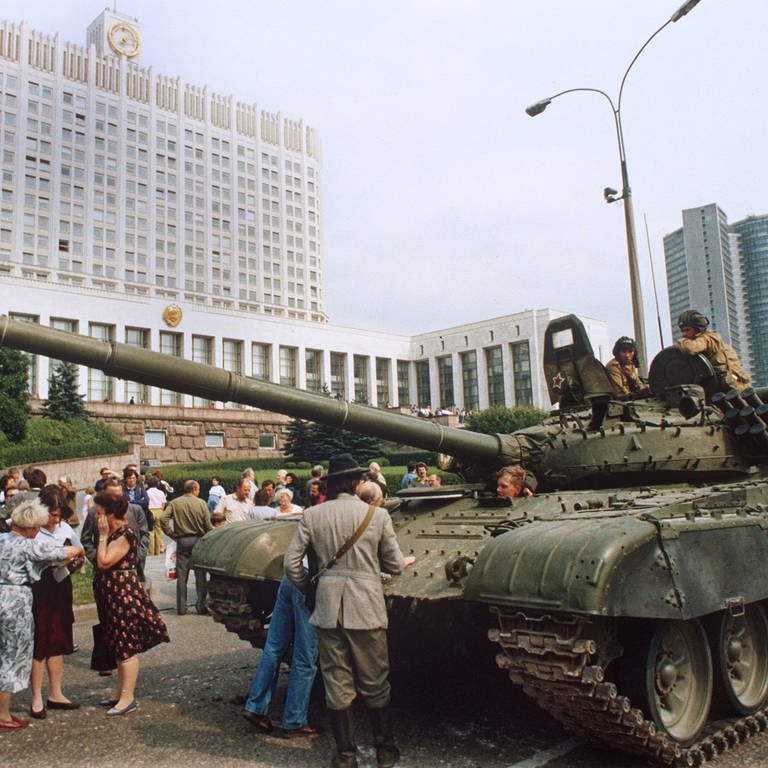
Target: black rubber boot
387	754
343	727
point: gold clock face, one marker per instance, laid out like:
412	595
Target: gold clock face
124	39
172	315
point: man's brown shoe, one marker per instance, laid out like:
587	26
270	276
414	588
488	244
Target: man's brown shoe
261	722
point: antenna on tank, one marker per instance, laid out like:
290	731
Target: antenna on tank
653	280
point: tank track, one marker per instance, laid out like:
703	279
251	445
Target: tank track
550	657
230	604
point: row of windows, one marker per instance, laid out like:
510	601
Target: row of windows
521	378
231	357
156	438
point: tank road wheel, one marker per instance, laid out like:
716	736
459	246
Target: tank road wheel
740	655
678	679
666	670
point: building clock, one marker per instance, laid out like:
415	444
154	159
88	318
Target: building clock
124	39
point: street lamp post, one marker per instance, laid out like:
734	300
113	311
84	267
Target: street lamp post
611	195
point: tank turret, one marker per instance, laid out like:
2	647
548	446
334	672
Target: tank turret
626	597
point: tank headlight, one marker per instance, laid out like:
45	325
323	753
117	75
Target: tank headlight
445	462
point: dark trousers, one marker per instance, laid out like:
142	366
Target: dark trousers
184	546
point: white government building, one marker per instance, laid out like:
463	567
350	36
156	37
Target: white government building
139	208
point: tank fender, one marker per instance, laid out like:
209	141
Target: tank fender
717	561
589	564
252	549
641	566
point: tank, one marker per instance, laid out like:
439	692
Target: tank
626	597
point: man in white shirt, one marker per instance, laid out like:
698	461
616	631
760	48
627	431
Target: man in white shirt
236	506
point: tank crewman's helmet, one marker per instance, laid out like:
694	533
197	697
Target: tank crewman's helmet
693	319
623	342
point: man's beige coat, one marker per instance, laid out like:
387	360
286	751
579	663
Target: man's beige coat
350	594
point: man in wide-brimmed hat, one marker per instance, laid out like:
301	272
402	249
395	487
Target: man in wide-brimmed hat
350	613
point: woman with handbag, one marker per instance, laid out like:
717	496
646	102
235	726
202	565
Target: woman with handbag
131	621
52	609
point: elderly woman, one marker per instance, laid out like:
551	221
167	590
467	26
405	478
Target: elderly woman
52	611
130	620
285	505
23	558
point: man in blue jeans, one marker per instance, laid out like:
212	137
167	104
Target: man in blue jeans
289	624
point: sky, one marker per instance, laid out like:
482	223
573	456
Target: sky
443	202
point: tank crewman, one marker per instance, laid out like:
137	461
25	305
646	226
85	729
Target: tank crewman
622	370
513	481
697	340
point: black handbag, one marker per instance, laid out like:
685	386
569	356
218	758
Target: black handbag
102	657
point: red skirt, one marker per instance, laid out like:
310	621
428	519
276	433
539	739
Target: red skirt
52	611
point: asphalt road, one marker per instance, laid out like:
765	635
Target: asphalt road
457	717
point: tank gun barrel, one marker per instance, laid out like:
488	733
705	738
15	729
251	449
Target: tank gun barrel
155	369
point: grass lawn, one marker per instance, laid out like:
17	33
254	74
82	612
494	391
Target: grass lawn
82	589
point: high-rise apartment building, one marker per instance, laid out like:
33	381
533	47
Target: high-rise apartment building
720	269
752	235
121	179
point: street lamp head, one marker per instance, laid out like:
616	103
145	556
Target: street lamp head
537	108
684	9
611	195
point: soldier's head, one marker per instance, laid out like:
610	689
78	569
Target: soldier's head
510	481
514	481
691	323
625	350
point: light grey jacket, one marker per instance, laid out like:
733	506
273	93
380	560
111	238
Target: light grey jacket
349	594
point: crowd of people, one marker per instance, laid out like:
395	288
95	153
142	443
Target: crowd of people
39	551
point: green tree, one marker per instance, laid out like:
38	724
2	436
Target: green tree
64	402
327	441
313	442
501	420
14	394
298	443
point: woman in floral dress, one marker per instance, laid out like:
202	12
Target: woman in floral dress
131	621
23	558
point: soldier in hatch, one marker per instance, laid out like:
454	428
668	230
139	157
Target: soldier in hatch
697	340
513	481
622	371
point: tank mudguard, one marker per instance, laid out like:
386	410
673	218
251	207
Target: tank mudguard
625	566
249	550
